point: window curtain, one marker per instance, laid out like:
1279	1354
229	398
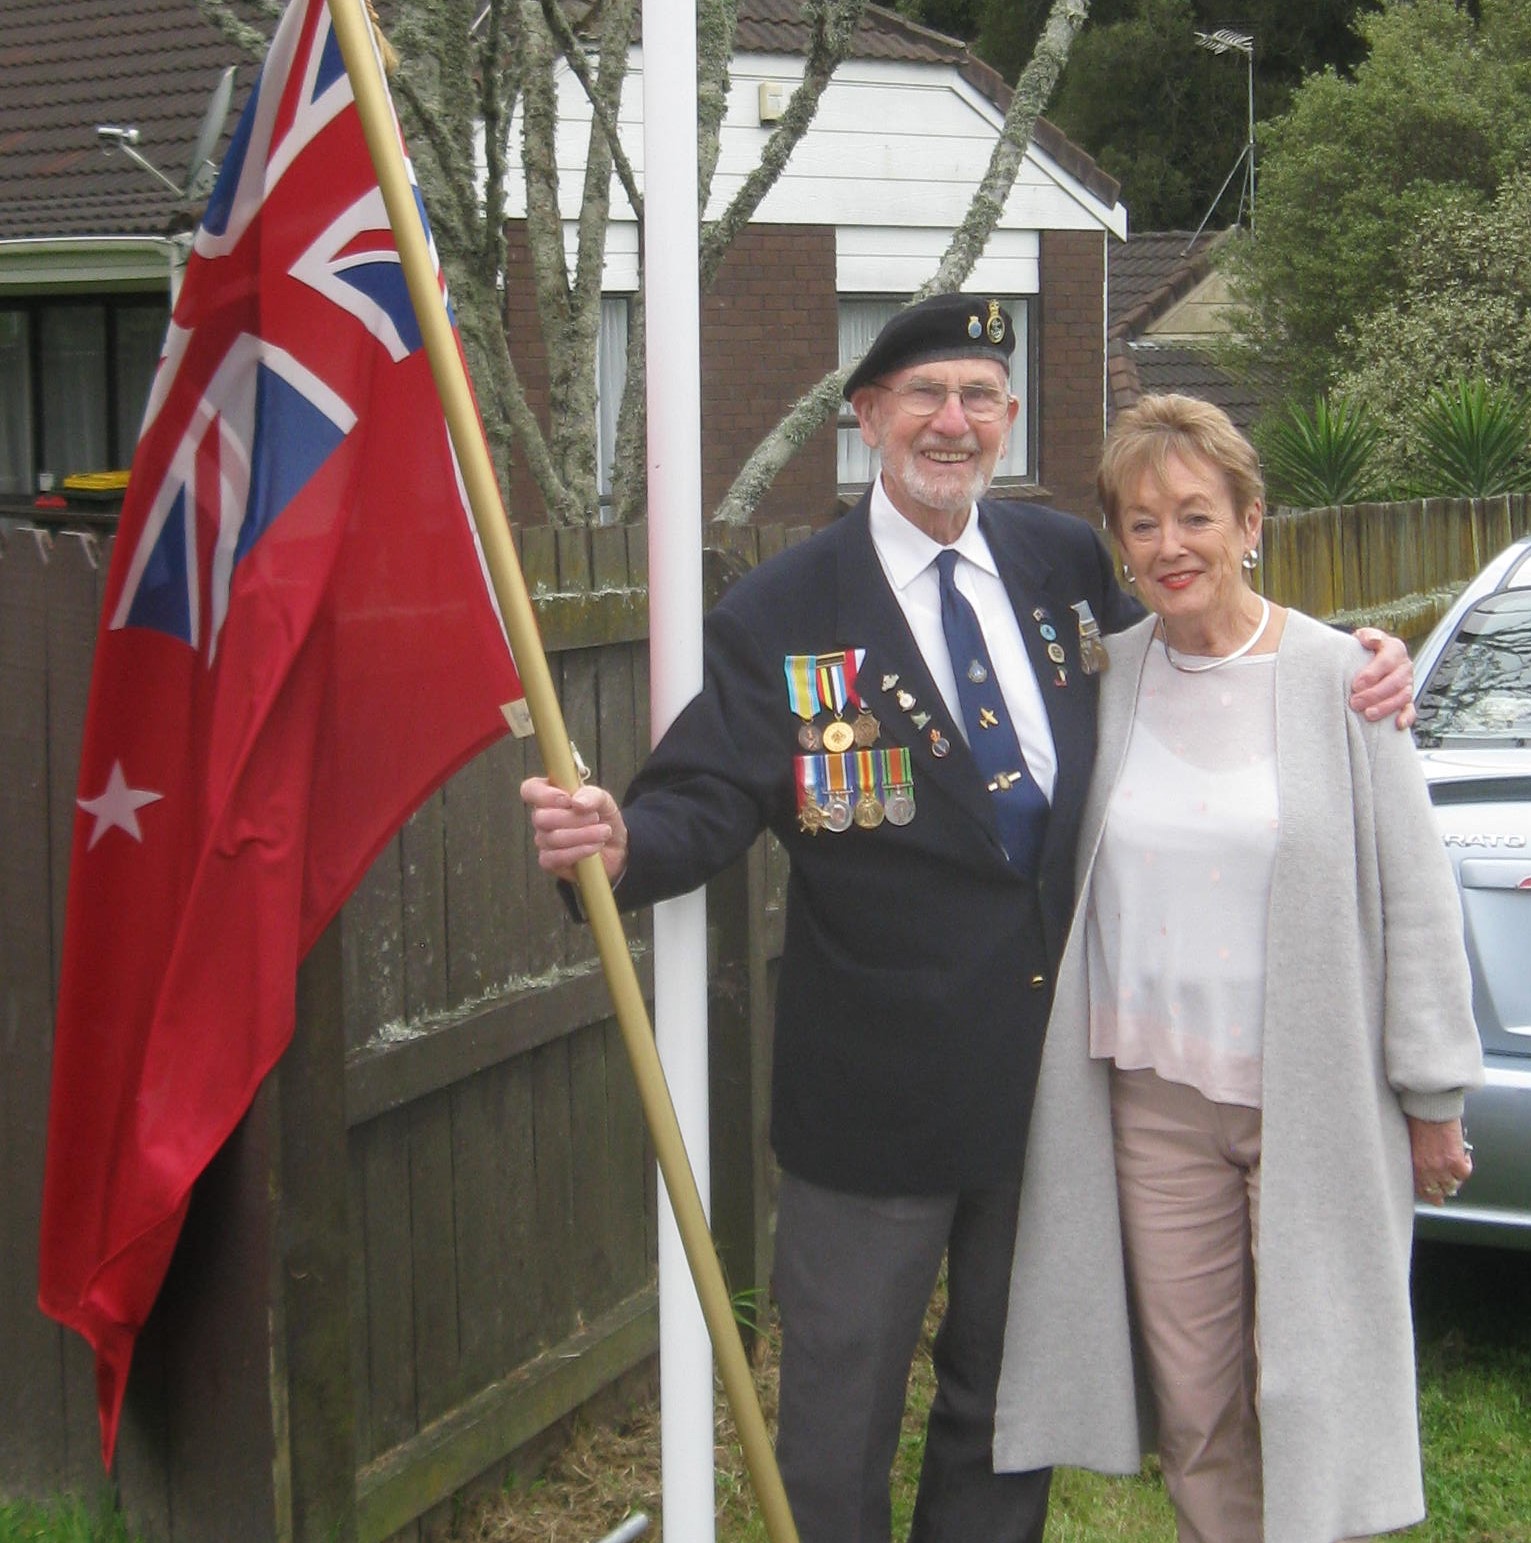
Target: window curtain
610	377
73	341
140	336
15	405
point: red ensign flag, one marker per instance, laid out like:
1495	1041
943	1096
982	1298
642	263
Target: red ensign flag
298	643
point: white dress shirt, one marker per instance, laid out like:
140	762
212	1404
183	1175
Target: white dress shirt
908	558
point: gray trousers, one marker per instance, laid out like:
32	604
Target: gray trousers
853	1279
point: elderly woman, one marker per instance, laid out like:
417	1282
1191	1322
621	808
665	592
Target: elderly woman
1263	1013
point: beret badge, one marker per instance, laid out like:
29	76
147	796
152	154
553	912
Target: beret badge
996	327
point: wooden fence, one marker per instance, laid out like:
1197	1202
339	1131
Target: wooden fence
433	1236
1395	566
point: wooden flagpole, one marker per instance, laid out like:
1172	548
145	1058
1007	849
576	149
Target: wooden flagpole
354	35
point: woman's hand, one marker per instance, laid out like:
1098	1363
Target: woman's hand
1442	1163
572	826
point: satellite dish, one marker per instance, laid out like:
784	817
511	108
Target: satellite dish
200	170
201	173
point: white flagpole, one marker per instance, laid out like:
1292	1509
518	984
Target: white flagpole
673	383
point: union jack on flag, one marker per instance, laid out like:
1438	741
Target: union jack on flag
298	644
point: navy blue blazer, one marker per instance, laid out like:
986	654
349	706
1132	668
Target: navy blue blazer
917	969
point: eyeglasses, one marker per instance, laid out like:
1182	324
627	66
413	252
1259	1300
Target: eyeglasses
925	398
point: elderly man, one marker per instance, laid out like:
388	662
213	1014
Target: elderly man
907	701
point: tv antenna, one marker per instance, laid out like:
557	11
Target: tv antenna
1226	41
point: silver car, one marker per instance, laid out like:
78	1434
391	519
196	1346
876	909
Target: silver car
1473	696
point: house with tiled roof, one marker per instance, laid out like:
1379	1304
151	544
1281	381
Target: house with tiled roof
105	100
103	106
1169	307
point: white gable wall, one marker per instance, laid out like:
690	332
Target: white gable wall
891	160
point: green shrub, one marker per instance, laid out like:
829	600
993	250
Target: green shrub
1474	440
1320	456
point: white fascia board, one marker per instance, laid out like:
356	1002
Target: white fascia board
61	263
1112	217
897	260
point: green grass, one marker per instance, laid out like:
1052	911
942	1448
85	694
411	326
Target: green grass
1473	1319
1473	1314
67	1520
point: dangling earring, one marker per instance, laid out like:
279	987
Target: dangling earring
1128	576
1252	559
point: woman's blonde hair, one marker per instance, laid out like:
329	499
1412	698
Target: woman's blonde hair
1154	427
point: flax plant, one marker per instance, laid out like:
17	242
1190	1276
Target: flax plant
1476	440
1320	456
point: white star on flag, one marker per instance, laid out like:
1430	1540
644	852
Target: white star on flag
117	806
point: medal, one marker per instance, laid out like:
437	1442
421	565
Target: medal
899	808
865	730
810	818
839	736
837	807
808	736
868	813
1093	658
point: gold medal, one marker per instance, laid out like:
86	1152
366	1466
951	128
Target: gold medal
869	812
839	737
810	818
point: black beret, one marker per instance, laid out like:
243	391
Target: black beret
942	327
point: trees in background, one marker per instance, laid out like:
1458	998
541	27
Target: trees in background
1392	266
1161	115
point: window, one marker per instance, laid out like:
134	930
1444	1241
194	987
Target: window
74	380
860	321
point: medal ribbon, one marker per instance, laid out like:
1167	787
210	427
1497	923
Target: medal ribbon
853	658
896	769
802	693
809	779
830	672
835	768
869	773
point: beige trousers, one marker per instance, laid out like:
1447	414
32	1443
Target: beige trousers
1188	1176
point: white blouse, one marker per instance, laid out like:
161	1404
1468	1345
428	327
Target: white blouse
1176	919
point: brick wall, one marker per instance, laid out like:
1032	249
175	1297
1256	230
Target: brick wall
1071	366
769	330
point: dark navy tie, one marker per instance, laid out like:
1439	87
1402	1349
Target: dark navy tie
1019	807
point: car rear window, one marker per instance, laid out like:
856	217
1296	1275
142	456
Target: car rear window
1480	689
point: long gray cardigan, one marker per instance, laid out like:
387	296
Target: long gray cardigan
1367	1017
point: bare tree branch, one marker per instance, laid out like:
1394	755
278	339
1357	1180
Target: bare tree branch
716	23
822	402
834	26
240	33
574	51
